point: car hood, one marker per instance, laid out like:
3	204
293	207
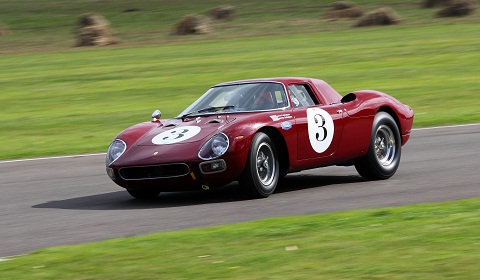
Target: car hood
177	131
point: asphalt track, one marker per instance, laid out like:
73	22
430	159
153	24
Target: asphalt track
70	200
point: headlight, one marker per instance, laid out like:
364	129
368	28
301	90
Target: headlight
116	149
214	147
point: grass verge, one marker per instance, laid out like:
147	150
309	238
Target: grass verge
429	241
76	101
62	100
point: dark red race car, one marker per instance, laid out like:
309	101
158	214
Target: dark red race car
256	131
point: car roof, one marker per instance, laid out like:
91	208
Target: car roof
285	80
327	93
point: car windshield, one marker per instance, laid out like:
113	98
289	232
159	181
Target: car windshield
247	97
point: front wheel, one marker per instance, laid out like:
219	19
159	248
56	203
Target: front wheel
383	156
144	194
261	173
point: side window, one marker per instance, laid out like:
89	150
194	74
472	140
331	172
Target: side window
281	98
278	94
301	95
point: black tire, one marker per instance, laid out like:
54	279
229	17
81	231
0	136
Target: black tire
383	156
261	173
143	194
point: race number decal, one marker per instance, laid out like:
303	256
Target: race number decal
176	135
320	129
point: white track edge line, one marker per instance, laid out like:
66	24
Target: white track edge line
99	154
55	157
447	126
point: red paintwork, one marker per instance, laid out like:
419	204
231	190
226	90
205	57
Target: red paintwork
353	123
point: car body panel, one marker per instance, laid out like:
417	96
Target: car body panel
305	148
332	131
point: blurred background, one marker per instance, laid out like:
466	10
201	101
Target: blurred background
75	73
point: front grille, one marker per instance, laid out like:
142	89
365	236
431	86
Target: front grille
154	171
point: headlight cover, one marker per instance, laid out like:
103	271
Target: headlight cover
214	147
116	149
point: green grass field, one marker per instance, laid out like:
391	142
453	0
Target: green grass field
56	99
431	241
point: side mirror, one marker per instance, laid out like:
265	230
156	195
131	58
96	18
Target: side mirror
156	115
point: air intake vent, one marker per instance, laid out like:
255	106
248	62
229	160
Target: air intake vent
154	171
215	121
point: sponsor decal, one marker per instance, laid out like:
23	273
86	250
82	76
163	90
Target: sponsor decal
286	125
280	117
176	135
320	129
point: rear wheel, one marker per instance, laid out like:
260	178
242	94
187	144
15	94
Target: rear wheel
144	194
260	177
383	156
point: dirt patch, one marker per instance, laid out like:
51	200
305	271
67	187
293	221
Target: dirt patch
343	10
342	5
131	10
457	8
192	24
434	3
222	13
4	30
94	30
354	12
380	16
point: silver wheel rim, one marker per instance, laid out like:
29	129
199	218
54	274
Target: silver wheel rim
265	164
385	149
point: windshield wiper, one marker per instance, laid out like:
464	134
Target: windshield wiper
213	109
209	109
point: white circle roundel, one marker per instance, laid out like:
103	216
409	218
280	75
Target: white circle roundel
176	135
320	129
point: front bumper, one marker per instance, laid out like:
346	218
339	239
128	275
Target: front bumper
176	176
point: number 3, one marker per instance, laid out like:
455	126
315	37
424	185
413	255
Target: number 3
324	129
177	135
320	129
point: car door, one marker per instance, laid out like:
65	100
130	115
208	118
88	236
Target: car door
319	126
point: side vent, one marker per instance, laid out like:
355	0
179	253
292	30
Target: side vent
349	97
215	121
